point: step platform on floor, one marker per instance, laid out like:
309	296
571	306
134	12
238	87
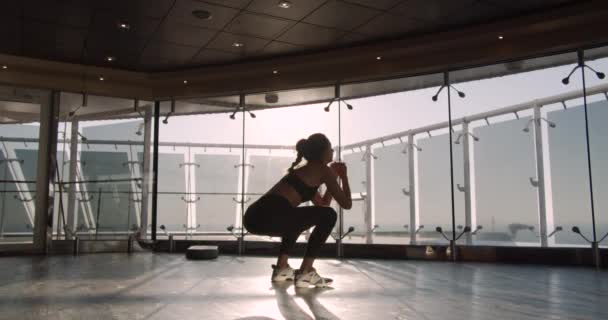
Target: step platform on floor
202	252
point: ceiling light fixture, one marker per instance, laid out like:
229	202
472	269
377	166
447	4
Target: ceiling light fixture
101	79
379	58
185	81
202	14
110	58
275	71
238	44
123	25
500	37
284	4
4	67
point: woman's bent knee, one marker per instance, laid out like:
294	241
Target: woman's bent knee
250	226
330	216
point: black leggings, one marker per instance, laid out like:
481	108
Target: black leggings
273	215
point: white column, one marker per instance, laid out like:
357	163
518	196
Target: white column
412	192
49	111
145	184
547	184
467	180
369	221
540	173
72	216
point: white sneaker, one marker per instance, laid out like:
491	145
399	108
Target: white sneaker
285	274
312	278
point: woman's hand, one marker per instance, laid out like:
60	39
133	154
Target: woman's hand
341	194
339	168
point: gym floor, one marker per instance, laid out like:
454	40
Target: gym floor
167	286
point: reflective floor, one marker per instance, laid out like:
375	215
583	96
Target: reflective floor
163	286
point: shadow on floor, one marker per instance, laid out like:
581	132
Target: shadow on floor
291	310
288	307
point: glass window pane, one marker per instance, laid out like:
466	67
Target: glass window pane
108	208
569	174
172	209
105	149
598	131
597	112
199	172
18	162
391	185
355	216
384	123
504	164
216	184
19	133
434	187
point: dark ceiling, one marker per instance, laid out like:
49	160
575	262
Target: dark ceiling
165	35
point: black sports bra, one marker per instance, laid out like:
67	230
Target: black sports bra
305	191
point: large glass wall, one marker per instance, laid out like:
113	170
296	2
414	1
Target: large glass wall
517	150
509	155
516	181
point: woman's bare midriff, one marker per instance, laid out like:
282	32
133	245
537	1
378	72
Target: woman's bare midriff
286	191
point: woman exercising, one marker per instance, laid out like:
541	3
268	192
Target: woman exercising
277	213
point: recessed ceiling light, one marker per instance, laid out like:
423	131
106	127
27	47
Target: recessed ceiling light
110	58
123	25
275	71
185	81
202	14
101	79
379	58
500	37
284	4
238	44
